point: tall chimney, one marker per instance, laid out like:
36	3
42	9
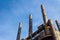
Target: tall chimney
58	25
44	19
30	26
19	31
44	14
52	29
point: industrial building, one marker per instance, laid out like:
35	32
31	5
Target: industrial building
45	31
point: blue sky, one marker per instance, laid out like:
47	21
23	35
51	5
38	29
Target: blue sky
14	11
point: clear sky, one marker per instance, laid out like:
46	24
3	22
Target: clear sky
14	11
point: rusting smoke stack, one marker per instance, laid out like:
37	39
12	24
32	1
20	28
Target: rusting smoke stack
19	31
44	19
44	14
58	25
30	25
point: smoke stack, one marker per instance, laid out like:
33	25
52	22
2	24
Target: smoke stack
58	25
44	19
19	31
52	29
44	14
30	25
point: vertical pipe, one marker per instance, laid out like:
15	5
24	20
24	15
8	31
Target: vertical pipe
52	29
19	31
44	19
30	26
58	25
44	14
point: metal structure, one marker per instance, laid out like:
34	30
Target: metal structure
30	27
19	31
45	31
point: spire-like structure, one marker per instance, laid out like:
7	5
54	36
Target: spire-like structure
30	26
44	14
58	25
19	31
